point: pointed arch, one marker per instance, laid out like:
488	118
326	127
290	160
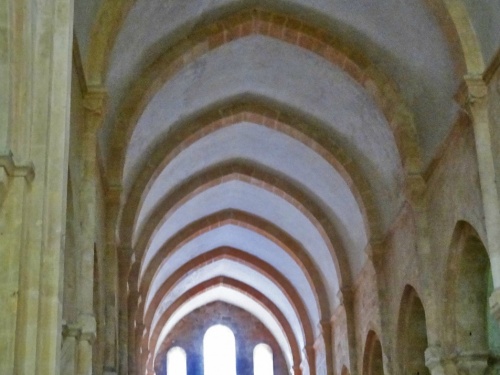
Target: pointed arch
151	342
412	334
471	328
265	113
372	358
261	177
267	229
244	258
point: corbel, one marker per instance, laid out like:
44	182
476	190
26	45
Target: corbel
9	168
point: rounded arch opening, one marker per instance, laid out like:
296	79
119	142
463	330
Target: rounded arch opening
219	351
176	361
263	360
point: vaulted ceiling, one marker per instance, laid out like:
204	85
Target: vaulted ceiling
262	147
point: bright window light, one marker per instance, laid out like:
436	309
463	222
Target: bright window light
219	351
176	361
262	360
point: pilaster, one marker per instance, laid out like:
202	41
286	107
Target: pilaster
346	297
111	281
476	103
376	255
87	326
41	123
94	105
11	227
10	169
417	197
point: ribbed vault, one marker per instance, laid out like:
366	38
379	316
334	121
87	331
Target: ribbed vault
263	149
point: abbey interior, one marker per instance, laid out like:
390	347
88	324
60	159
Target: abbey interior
249	187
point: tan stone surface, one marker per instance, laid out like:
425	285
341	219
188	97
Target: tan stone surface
107	256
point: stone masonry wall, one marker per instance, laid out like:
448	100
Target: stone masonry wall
248	331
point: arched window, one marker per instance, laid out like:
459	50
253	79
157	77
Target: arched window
219	351
262	360
176	361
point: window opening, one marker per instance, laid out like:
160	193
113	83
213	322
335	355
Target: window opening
219	351
176	361
263	360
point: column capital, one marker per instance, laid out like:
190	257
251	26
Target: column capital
88	327
10	168
71	330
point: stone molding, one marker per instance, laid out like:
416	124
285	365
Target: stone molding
85	329
9	167
464	362
472	362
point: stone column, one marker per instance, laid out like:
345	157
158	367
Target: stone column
123	315
94	103
346	298
111	359
416	195
5	31
87	326
15	44
10	234
41	119
375	252
69	349
477	106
